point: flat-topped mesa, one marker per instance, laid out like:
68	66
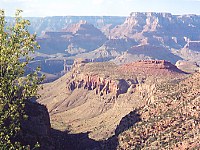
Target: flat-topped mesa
102	82
151	67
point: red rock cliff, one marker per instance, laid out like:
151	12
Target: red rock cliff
101	85
119	81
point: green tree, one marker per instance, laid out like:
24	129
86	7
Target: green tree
16	43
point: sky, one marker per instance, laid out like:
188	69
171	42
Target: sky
42	8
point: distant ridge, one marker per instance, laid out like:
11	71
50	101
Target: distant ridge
140	36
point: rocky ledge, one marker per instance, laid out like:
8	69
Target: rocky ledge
152	67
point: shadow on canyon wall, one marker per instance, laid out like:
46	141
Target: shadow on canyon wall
81	141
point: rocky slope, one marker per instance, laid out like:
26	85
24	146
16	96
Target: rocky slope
93	97
188	66
100	111
170	122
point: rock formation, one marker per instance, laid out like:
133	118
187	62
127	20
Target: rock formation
77	38
150	27
151	67
139	36
37	127
105	85
92	91
101	85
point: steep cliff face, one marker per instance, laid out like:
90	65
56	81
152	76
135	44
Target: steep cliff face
148	21
101	85
37	127
143	27
159	28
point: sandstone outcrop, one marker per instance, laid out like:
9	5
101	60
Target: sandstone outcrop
101	85
94	81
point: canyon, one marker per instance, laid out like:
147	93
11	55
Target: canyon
140	36
109	102
92	91
117	82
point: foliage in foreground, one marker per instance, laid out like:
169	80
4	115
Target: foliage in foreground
16	43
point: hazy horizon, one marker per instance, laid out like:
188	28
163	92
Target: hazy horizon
100	15
45	8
